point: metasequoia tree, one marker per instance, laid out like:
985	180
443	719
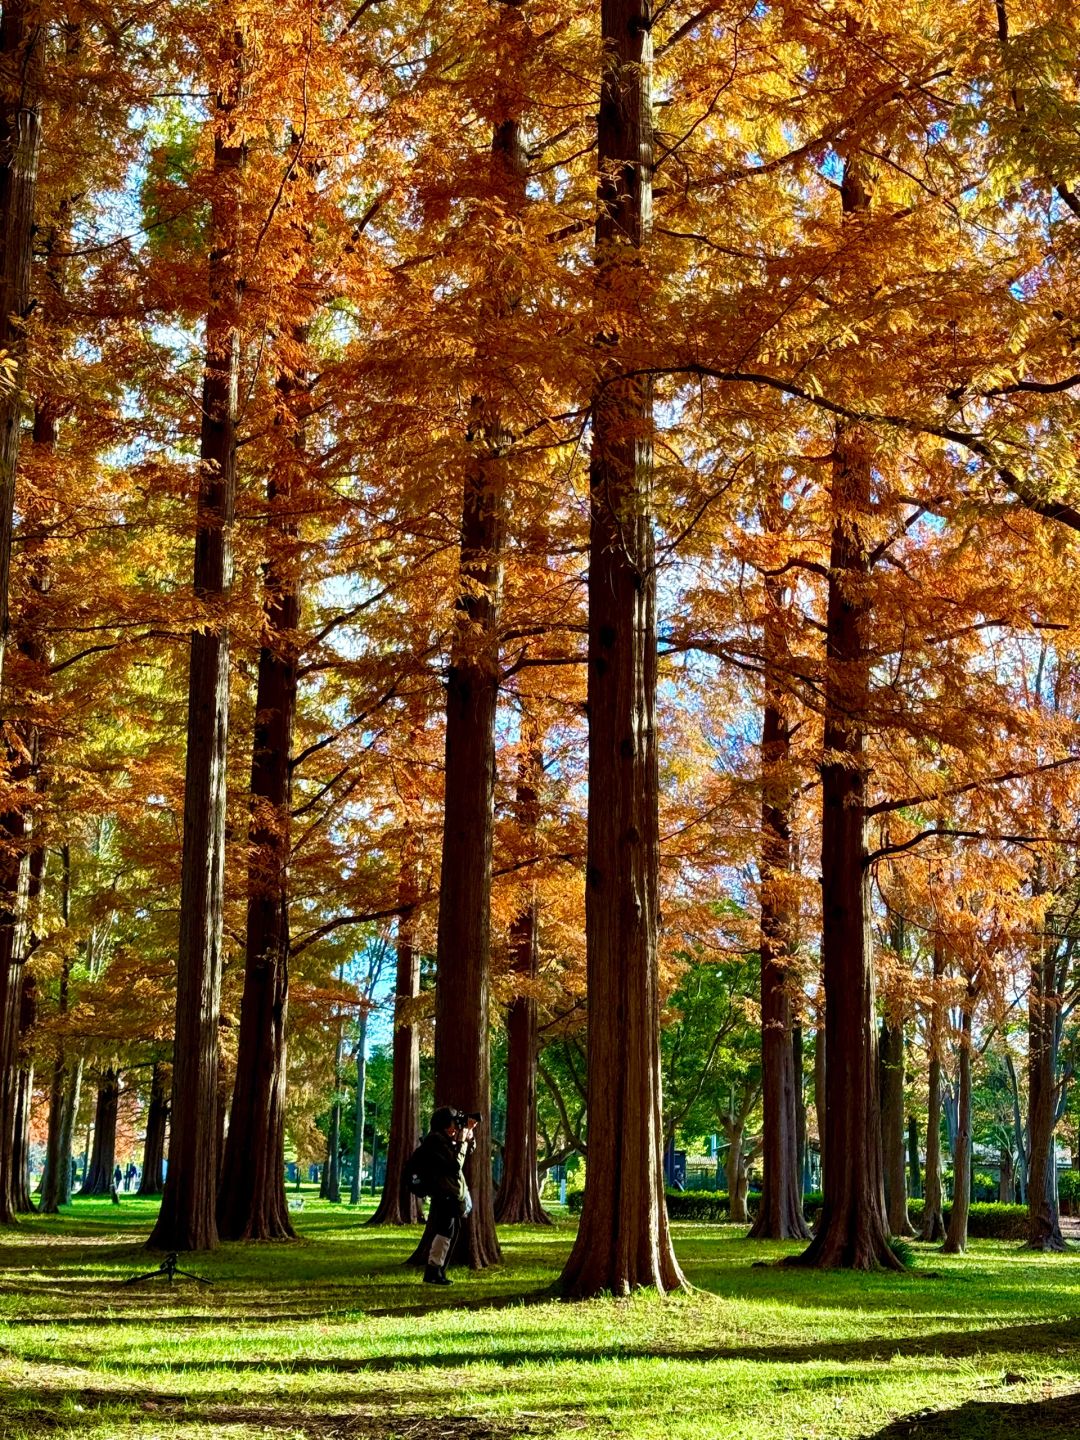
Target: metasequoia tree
779	1214
187	1220
623	1240
893	1062
518	1198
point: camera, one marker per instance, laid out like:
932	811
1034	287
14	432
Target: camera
461	1116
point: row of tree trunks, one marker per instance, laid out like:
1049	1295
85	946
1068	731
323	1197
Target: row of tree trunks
623	1240
780	1215
188	1219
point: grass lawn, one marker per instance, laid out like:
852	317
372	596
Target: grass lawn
332	1337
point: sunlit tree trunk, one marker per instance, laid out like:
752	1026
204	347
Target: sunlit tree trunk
187	1220
1044	1001
623	1240
251	1202
518	1200
780	1214
398	1205
892	1126
956	1235
361	1107
933	1225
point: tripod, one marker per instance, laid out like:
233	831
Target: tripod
167	1267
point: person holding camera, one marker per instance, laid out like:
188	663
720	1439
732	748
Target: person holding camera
438	1171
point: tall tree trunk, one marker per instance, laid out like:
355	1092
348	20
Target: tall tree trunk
1006	1190
802	1161
187	1219
251	1200
956	1237
518	1200
933	1224
780	1214
892	1127
1044	1225
853	1232
914	1173
24	1099
623	1240
819	1083
737	1178
152	1179
99	1175
56	1180
462	1064
22	61
361	1107
398	1205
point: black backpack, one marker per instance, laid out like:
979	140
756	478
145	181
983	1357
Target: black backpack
418	1173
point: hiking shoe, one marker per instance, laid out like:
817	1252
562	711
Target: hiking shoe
434	1276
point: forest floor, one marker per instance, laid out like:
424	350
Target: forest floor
332	1339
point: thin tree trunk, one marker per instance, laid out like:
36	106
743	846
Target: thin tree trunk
956	1237
914	1173
1044	1225
623	1239
819	1084
1006	1191
892	1127
251	1201
737	1179
398	1205
67	1133
187	1220
56	1180
933	1224
24	1099
780	1214
853	1232
152	1179
518	1200
361	1106
802	1163
99	1175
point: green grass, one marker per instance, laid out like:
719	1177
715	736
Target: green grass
333	1338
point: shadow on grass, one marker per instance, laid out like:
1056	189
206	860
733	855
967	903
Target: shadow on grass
1055	1419
331	1416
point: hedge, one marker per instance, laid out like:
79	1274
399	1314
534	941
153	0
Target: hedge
986	1221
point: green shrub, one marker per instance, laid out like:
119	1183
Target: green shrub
986	1221
1069	1185
984	1187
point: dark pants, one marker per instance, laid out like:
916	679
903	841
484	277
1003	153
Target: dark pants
443	1219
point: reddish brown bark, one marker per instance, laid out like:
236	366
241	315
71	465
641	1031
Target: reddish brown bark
779	1214
956	1236
398	1205
187	1219
853	1232
1044	1009
99	1175
623	1240
518	1199
933	1224
251	1200
152	1179
893	1128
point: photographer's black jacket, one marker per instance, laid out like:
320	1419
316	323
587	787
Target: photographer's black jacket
443	1168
